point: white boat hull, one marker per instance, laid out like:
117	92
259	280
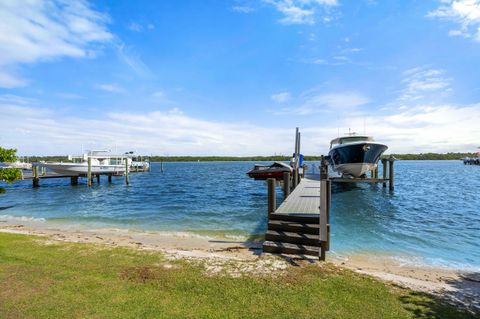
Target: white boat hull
76	169
355	169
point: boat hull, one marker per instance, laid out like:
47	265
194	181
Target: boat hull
355	159
73	169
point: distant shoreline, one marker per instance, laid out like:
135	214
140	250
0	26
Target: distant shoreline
156	158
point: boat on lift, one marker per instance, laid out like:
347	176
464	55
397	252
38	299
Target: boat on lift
275	170
354	155
101	163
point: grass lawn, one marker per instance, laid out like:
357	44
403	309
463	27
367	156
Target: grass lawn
61	280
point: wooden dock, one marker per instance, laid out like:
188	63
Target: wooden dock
305	198
300	225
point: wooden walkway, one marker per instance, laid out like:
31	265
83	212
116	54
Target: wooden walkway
305	199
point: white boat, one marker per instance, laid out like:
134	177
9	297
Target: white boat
100	164
353	156
137	163
17	164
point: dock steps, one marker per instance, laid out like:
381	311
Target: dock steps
291	249
300	218
294	227
293	238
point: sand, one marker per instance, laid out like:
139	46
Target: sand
235	256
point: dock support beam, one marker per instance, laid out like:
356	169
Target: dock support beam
391	177
98	178
36	179
74	180
110	178
286	185
272	200
89	172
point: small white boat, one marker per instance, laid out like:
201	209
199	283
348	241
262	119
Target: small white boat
137	163
17	164
100	164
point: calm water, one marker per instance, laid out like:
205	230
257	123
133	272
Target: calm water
432	217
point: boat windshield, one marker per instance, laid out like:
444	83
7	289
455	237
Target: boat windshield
350	139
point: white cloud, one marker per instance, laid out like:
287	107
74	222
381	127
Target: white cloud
466	13
243	9
421	82
135	27
42	131
315	102
109	87
34	31
300	11
133	60
281	97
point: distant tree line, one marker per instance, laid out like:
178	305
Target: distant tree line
421	156
433	156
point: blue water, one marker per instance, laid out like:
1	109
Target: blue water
433	216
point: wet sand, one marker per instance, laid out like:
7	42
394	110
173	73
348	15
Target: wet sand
245	256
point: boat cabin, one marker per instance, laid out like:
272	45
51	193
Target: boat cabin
350	139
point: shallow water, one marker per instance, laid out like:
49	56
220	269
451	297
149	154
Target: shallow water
432	217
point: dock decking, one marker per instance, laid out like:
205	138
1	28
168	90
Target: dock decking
305	198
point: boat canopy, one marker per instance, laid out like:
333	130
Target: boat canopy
351	139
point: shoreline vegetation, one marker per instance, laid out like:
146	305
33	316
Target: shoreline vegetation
68	279
156	158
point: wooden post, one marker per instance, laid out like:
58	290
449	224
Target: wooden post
376	172
98	178
384	171
329	205
36	180
323	222
298	156
272	201
109	178
74	180
286	185
294	179
89	172
391	181
323	168
126	172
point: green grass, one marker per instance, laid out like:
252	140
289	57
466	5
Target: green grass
60	280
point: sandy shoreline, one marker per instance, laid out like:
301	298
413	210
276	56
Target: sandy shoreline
457	286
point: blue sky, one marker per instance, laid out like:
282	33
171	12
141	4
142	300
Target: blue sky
236	77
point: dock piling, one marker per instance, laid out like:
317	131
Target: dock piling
286	185
272	201
98	178
126	172
89	172
36	180
391	178
384	171
324	218
109	178
74	180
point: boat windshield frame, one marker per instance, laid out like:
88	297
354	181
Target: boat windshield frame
350	139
